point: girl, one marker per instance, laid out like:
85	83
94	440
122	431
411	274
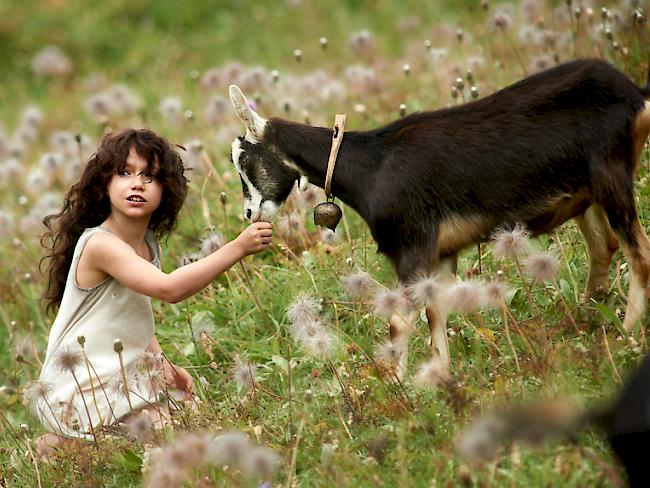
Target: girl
103	362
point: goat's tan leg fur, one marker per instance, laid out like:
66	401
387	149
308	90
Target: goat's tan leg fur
638	260
601	246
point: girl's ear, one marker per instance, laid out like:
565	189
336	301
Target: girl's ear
303	182
252	121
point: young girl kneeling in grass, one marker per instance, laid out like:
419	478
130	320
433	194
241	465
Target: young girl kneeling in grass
103	362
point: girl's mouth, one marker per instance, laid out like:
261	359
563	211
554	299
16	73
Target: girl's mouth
136	199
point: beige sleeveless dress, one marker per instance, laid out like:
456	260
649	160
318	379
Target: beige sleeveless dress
100	314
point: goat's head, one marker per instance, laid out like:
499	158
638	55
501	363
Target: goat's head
266	174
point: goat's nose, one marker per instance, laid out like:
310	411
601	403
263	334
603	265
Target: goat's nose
248	213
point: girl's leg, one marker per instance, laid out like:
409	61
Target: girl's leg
47	443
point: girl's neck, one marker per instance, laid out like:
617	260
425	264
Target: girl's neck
131	232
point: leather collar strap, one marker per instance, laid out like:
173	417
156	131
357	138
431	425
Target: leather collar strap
337	138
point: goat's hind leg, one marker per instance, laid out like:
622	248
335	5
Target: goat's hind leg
618	202
601	246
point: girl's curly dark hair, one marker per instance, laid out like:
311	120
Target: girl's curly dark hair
87	204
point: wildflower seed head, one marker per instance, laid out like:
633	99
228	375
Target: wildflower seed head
426	291
243	373
388	353
510	243
228	449
387	302
402	109
118	347
362	42
223	198
464	297
320	345
166	477
212	243
460	83
81	340
542	267
481	441
297	53
260	463
359	285
454	92
67	358
406	68
501	21
141	428
494	294
305	329
432	373
428	44
323	42
304	308
473	91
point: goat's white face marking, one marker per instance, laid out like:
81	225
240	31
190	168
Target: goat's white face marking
266	179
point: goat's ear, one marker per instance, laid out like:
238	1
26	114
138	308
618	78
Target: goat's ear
253	122
303	182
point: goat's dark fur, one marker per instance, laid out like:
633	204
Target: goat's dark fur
539	152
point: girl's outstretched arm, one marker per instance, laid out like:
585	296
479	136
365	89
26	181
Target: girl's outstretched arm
109	254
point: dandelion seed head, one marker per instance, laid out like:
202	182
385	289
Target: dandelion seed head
542	267
432	373
387	302
359	285
34	391
510	243
118	347
67	358
305	307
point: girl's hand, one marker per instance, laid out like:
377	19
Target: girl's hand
178	377
255	238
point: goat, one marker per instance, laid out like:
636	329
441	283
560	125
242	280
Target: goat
564	143
625	421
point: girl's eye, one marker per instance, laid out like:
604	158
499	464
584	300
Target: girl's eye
123	173
147	178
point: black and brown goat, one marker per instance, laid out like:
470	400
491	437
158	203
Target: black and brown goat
564	143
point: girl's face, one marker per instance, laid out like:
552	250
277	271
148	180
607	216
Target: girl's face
134	191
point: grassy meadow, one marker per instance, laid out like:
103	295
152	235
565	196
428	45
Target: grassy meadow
329	414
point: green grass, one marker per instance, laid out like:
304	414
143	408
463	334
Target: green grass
395	436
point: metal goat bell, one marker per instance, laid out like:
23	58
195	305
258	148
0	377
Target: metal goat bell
327	214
